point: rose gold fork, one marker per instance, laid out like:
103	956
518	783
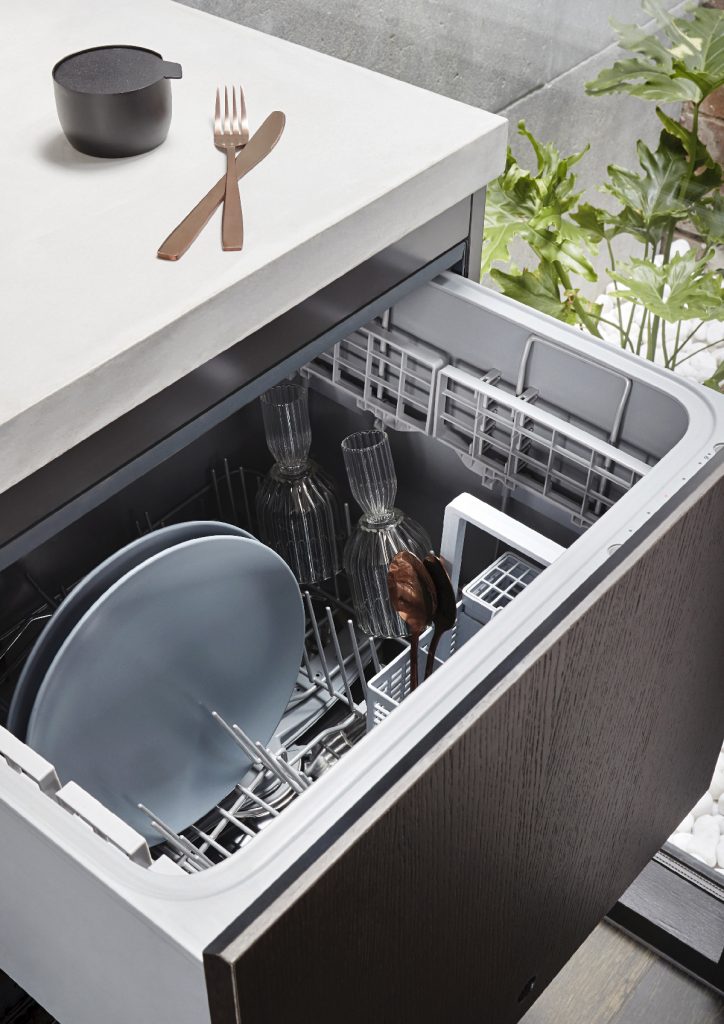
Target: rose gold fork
230	134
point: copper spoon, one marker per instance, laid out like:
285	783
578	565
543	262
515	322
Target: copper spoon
446	605
412	595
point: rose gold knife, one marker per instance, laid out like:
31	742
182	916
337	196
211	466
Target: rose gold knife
259	145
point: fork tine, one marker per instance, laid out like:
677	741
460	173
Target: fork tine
234	116
217	112
227	122
243	126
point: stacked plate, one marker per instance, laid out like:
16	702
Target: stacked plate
119	688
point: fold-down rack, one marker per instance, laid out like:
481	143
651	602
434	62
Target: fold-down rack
502	432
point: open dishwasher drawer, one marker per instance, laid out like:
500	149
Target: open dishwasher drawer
451	861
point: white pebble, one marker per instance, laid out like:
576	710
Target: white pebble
716	788
711	331
704	806
683	840
704	848
679	247
706	825
687	824
720	805
720	853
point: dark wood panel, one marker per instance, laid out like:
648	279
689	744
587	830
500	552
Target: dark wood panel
613	980
680	908
502	853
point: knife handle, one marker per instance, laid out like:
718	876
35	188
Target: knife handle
191	226
258	147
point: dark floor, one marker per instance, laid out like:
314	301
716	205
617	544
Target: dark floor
614	980
610	980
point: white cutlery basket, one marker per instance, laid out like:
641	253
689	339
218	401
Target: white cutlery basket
485	596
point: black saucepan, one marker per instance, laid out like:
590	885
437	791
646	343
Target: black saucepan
114	100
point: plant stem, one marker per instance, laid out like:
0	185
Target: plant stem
630	325
666	248
651	341
687	339
663	345
625	342
583	316
624	337
703	348
640	339
677	345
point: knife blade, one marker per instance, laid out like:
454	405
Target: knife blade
259	146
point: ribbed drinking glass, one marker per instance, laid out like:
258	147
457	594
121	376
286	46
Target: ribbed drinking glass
381	532
296	506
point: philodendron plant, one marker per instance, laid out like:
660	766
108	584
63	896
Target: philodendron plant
666	303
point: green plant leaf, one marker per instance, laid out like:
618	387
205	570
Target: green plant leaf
638	77
682	289
535	206
496	244
688	66
664	191
709	220
698	44
536	289
691	143
716	381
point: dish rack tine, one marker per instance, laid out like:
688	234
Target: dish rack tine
318	641
338	655
259	752
181	843
221	824
233	820
230	489
241	741
245	496
210	841
251	795
285	771
358	658
375	659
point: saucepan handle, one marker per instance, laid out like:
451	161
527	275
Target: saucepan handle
171	70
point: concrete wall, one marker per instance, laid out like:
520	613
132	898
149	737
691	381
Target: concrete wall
525	59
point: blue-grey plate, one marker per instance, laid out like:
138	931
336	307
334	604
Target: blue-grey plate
212	624
85	594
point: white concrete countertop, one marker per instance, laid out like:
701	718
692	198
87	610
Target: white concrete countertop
92	322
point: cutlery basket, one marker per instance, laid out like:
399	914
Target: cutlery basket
485	596
388	688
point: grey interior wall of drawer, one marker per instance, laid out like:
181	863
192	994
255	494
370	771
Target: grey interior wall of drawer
653	421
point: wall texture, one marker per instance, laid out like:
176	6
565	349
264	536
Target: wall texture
521	58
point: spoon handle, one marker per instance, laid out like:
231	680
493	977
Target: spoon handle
413	663
432	651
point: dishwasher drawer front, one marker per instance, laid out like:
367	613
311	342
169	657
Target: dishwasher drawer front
460	894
